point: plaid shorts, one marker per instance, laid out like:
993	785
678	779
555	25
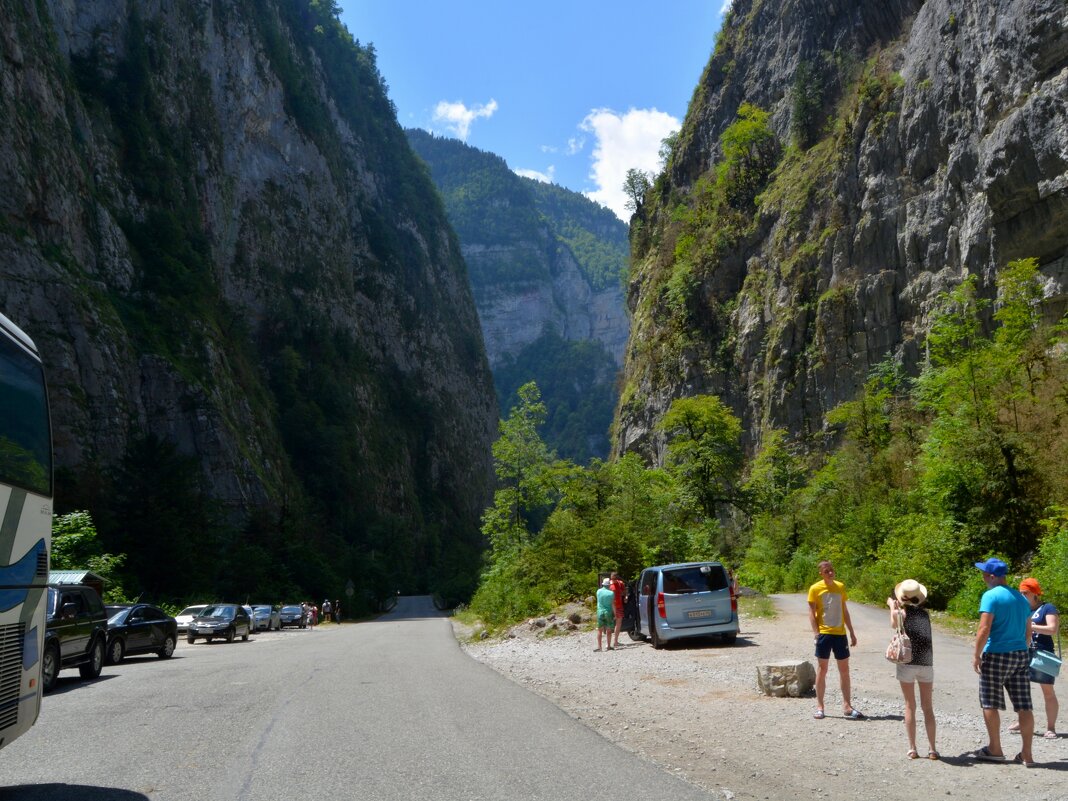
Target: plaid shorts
1008	671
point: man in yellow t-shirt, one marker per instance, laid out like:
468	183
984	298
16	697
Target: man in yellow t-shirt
828	615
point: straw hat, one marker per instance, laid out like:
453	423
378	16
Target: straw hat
910	591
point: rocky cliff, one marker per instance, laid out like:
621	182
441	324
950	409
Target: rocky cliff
531	251
840	165
214	229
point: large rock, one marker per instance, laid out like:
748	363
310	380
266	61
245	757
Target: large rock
793	678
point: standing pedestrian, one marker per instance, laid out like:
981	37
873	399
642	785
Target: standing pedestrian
907	612
605	618
828	614
1002	660
327	609
1045	622
619	590
337	611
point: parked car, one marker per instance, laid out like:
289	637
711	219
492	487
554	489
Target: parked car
140	629
76	632
291	615
220	620
265	616
185	617
695	599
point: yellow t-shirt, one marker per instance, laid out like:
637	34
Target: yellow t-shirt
830	606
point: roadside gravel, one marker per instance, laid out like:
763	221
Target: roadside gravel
695	709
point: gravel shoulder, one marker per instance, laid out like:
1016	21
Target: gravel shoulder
695	709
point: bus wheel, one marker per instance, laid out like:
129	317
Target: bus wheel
49	668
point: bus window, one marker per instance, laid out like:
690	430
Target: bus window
25	438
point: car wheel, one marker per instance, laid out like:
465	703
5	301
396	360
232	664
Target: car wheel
91	669
189	638
657	642
116	651
49	668
168	648
730	639
635	634
230	634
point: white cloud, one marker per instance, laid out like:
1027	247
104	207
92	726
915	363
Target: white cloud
457	118
575	145
545	177
624	141
725	7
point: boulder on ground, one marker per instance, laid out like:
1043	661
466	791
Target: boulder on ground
792	677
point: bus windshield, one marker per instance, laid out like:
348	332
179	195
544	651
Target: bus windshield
25	438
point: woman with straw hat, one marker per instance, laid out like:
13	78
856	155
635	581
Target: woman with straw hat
906	610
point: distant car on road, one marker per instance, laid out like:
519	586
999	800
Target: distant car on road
220	620
140	629
185	617
291	615
265	616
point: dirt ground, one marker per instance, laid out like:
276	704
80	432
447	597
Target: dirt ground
695	709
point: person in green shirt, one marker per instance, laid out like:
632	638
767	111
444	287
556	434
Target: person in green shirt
606	619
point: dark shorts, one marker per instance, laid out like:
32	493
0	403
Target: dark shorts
836	643
1008	672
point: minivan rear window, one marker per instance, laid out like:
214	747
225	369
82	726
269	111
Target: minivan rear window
693	579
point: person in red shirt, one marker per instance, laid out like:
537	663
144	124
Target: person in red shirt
619	587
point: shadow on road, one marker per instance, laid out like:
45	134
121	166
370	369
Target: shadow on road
67	792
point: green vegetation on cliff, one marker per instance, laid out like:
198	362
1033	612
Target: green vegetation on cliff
932	473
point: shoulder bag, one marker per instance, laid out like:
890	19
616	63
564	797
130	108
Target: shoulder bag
899	650
1046	662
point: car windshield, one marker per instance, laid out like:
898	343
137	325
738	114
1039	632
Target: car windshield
291	609
263	608
192	610
698	578
221	612
118	617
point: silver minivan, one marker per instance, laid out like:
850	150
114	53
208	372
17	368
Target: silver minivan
695	599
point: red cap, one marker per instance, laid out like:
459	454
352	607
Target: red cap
1031	585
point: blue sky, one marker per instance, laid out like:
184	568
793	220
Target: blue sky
575	92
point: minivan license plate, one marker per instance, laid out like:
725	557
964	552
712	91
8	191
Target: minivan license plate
700	613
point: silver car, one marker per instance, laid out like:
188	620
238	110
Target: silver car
265	617
185	617
695	599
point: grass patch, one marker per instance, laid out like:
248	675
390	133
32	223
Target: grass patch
757	606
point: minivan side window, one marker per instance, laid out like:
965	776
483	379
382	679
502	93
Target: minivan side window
649	582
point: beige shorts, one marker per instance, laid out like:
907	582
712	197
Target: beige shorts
910	673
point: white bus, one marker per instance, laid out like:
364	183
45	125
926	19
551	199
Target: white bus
25	529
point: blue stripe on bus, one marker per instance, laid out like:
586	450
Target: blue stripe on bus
20	573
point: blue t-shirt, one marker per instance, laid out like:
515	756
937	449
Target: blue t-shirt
1011	612
1043	642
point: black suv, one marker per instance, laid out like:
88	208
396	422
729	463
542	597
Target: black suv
76	633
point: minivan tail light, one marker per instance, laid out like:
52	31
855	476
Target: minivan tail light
660	605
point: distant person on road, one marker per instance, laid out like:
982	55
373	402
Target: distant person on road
906	609
327	609
605	619
337	611
1003	661
1045	621
828	614
619	590
305	614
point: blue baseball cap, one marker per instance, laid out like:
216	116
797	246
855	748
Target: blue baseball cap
993	566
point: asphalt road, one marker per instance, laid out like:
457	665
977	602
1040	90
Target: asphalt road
385	710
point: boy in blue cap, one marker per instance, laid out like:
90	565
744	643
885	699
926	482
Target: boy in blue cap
1002	660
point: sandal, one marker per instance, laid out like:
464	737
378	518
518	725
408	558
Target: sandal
855	714
985	755
933	755
1015	727
912	754
819	714
1019	760
1049	735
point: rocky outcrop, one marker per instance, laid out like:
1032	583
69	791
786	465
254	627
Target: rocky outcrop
918	143
208	207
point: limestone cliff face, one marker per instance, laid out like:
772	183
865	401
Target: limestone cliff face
915	143
199	216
